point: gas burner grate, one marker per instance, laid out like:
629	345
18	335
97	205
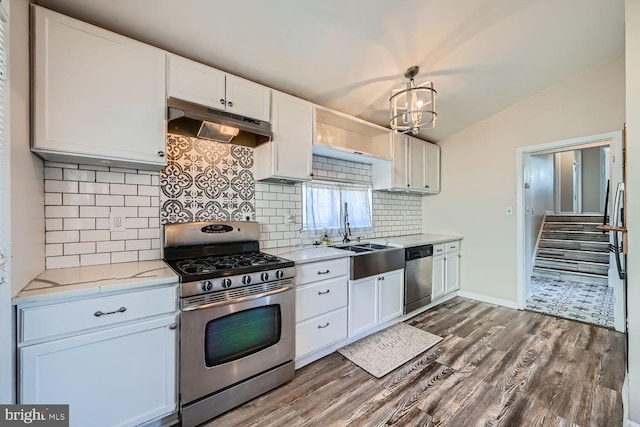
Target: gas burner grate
213	264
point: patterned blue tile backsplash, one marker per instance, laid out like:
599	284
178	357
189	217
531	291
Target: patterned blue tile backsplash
205	181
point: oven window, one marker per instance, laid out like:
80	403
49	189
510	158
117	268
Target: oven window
240	334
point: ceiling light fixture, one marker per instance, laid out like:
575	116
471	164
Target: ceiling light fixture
413	107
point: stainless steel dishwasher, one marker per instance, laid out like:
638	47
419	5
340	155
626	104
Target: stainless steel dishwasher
418	273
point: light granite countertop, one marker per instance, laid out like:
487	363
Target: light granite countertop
304	254
73	282
415	240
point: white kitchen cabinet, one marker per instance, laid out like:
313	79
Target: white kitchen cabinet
415	167
207	86
390	295
98	97
289	155
446	269
123	372
321	305
375	300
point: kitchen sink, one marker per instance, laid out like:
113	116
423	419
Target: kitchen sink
372	259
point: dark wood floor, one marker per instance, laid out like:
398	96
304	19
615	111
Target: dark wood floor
495	367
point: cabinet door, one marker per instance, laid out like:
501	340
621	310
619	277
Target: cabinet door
432	168
416	162
453	271
400	161
248	99
120	376
197	83
439	277
363	305
97	95
390	295
292	125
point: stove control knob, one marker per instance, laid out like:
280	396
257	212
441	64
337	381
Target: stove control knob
246	280
207	285
264	277
279	274
226	282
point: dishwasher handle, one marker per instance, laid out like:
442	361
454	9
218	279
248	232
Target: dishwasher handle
418	252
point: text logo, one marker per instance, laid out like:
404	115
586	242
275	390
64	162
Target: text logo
34	415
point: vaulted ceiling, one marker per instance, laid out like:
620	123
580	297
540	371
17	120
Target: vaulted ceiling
482	55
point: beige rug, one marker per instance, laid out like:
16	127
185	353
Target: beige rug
384	351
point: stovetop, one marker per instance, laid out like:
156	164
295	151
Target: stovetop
210	267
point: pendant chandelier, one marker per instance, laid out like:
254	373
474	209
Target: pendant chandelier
414	107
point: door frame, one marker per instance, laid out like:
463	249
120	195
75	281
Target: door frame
615	139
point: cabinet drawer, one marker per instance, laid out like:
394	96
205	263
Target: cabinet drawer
321	297
314	271
320	331
452	246
439	249
64	318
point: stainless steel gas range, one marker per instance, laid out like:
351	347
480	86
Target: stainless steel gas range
237	316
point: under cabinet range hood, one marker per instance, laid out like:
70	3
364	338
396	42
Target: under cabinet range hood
189	119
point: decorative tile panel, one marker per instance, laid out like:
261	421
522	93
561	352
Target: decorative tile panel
206	181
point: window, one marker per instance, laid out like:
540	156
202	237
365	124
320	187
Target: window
323	206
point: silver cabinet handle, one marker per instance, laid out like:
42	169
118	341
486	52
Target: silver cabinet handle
100	313
325	292
324	272
222	101
323	326
230	104
173	326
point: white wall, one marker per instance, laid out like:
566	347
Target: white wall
591	180
565	186
479	170
541	172
632	40
27	192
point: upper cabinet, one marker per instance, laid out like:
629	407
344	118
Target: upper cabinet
98	97
288	156
414	167
198	83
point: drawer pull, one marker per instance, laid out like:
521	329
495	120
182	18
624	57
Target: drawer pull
325	292
100	313
324	272
323	326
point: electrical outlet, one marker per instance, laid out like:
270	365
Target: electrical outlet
508	210
117	222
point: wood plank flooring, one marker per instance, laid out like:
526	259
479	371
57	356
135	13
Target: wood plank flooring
495	367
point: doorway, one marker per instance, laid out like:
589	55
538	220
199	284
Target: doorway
561	199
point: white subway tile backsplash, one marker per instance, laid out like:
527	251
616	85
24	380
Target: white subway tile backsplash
60	165
124	170
94	212
53	173
94	168
61	211
62	261
112	177
140	179
53	224
125	235
54	186
102	223
137	201
109	200
149	233
79	248
53	199
110	246
78	175
54	249
137	222
79	223
148	190
117	257
124	189
61	236
94	235
137	245
94	188
149	254
79	199
95	259
151	212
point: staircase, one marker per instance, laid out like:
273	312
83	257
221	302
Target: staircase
571	248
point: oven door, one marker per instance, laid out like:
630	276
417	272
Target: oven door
226	342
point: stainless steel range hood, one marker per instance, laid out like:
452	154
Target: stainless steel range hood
189	119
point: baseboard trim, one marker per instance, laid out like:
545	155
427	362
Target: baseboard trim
490	300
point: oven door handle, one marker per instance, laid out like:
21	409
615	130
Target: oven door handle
237	300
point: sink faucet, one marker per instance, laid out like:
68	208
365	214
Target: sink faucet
346	234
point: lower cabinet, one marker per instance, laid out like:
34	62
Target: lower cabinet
446	269
321	304
374	300
122	375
